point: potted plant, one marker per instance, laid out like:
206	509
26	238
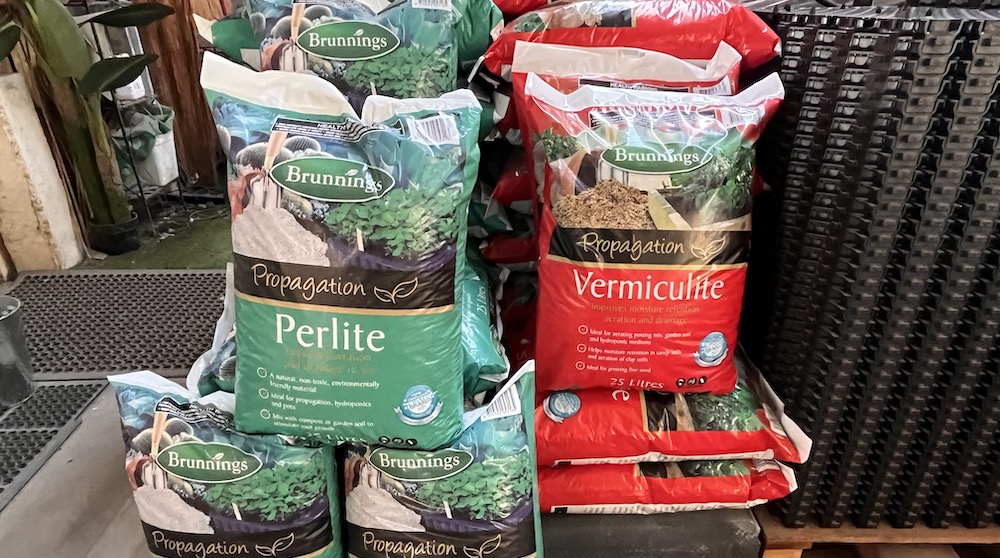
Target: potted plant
68	84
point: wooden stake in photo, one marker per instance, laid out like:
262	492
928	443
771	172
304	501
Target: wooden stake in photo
159	427
271	196
298	58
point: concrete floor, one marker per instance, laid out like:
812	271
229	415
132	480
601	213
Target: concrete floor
79	504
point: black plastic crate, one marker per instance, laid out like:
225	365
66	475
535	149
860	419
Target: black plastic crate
884	197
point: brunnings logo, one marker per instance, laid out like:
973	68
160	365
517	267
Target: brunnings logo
409	465
666	159
331	179
348	40
208	462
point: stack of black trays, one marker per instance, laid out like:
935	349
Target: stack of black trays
874	294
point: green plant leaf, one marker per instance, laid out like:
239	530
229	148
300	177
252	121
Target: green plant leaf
61	42
10	33
135	15
113	73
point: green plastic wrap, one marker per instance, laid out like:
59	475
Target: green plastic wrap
476	498
204	489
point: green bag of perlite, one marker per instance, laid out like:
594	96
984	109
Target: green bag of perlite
428	41
232	36
405	50
408	48
480	23
476	498
204	490
349	236
485	362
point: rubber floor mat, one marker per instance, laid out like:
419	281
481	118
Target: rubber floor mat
31	432
87	324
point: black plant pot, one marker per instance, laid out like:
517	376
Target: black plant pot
119	238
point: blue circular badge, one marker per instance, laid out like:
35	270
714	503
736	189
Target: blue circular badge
561	405
420	405
712	350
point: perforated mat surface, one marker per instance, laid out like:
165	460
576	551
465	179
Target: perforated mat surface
31	432
86	324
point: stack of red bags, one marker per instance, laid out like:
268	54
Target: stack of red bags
634	183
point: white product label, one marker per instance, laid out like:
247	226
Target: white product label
721	88
739	116
432	4
436	130
505	404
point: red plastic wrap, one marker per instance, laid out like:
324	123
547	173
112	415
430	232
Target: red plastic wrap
513	8
568	68
515	183
644	233
508	250
688	29
662	487
518	307
628	426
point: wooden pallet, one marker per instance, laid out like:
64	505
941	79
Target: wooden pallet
920	541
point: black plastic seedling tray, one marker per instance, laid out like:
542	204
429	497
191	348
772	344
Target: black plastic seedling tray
878	247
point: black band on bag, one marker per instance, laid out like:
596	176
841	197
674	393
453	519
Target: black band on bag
651	247
351	287
284	543
516	542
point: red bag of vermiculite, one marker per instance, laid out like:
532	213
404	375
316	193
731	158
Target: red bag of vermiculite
630	426
513	8
687	29
515	185
644	233
662	487
568	68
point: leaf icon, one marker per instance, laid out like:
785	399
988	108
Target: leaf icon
264	550
384	295
359	32
351	172
490	546
715	246
471	552
218	456
699	253
404	289
284	543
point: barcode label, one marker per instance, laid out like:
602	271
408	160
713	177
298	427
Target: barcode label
507	403
721	88
193	414
738	116
432	4
672	118
436	130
